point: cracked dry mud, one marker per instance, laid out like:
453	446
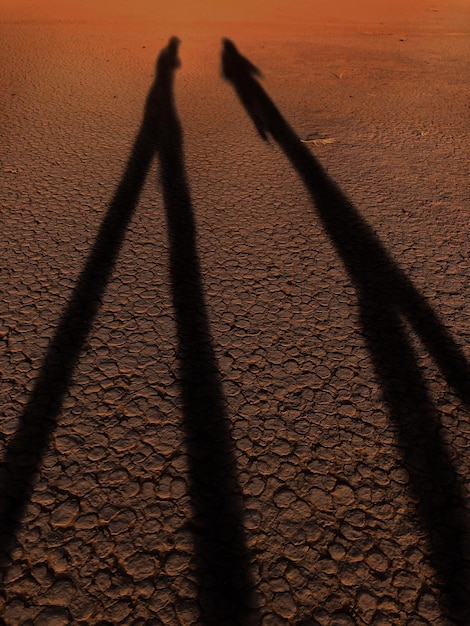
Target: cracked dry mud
330	487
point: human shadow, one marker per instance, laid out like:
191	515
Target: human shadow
39	418
387	301
221	554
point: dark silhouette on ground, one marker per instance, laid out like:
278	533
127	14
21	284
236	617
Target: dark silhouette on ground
221	553
39	419
386	299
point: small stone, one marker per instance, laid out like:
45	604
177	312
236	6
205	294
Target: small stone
116	477
188	613
320	499
284	498
41	574
58	560
140	566
281	447
400	475
284	605
287	471
86	522
406	580
381	619
52	617
349	532
144	588
13	573
161	604
119	611
298	554
82	607
313	531
103	580
356	518
65	514
336	551
122	522
279	585
388	605
252	519
66	444
366	602
176	563
347	409
328	566
343	494
97	453
377	561
348	576
60	594
244	444
178	488
428	607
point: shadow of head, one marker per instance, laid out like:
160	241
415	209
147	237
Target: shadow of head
239	71
159	96
168	59
234	65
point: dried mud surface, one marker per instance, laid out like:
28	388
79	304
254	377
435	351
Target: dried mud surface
260	416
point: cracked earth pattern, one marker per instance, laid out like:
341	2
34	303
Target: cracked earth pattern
331	519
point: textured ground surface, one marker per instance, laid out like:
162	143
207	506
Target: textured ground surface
332	478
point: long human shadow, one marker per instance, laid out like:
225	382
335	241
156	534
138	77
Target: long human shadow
387	300
222	563
224	582
40	416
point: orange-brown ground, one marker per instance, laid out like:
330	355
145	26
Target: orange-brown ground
260	417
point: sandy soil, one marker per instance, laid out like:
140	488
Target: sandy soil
235	313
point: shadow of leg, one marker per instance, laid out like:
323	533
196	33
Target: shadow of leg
224	580
386	295
39	419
